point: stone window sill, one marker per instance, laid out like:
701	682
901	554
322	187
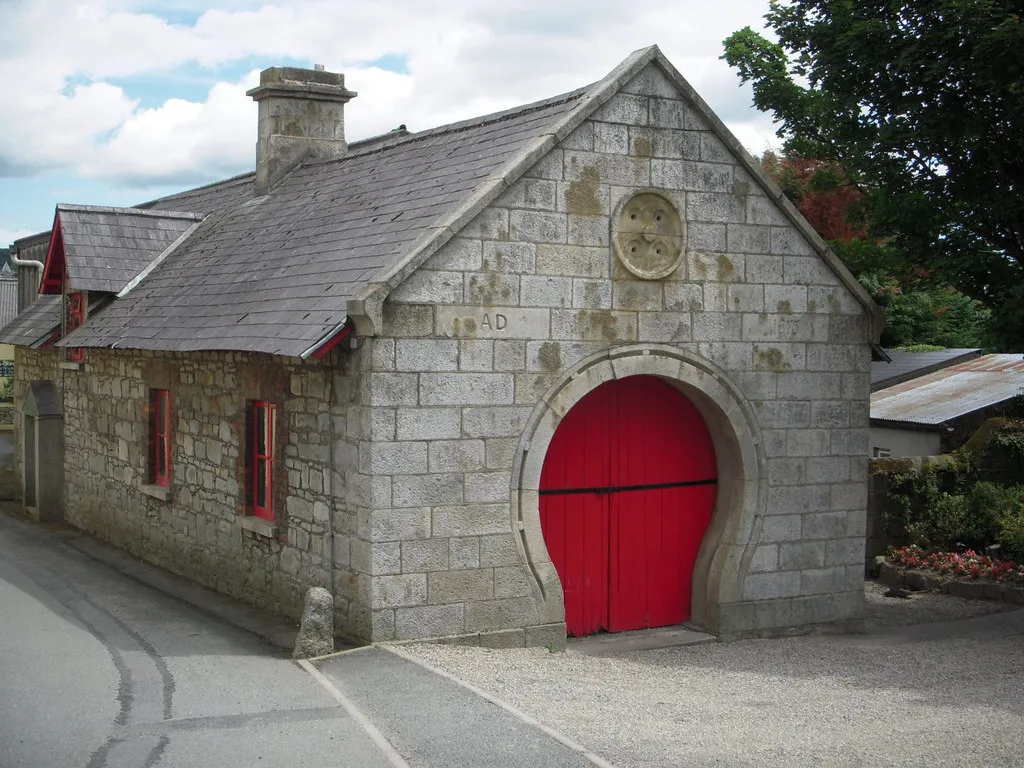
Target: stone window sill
161	492
65	366
259	526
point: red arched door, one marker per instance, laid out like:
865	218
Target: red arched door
626	494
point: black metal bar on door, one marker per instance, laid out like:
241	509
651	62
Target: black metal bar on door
618	489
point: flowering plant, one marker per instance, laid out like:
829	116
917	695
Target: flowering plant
967	563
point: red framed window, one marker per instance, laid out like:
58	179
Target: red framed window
263	439
76	317
159	440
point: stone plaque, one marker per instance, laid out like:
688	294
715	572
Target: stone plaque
492	323
648	235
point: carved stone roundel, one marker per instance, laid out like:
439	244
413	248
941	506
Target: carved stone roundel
648	235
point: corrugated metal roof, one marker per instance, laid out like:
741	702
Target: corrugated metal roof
908	365
8	299
943	395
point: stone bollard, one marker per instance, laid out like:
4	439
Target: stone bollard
316	632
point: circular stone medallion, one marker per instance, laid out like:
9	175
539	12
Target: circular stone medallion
648	235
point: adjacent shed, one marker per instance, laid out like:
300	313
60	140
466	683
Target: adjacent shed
937	412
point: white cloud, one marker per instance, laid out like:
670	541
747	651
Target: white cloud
464	57
8	236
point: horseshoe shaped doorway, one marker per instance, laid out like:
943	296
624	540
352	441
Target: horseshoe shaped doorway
627	491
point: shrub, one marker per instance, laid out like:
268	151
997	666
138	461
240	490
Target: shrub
1011	533
944	523
941	513
989	503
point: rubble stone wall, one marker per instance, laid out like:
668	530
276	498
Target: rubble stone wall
197	527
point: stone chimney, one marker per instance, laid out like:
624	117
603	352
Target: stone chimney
302	117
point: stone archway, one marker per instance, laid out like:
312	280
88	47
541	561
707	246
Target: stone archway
727	547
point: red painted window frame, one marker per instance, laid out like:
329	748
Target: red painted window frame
160	439
262	491
76	317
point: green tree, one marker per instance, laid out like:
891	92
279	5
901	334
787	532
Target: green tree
921	102
917	310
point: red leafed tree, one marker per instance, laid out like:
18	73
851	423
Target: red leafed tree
822	192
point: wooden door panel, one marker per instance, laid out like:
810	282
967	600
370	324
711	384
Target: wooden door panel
621	514
576	533
656	535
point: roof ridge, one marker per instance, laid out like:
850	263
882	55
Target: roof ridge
381	144
460	126
229	180
128	211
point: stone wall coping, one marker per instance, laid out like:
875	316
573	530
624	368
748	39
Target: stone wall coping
970	589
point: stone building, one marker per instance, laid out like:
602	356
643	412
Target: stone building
579	361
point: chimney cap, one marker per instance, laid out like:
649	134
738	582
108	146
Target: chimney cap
296	82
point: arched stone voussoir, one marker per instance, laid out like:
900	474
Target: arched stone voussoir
742	488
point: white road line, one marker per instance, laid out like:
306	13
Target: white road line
560	738
353	711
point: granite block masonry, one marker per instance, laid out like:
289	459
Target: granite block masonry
631	236
316	630
529	305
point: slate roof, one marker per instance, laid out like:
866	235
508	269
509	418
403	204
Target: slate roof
106	247
208	198
909	365
275	273
951	392
280	273
35	324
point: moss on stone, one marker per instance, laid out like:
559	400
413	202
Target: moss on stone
581	195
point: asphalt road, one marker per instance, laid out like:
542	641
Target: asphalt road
99	671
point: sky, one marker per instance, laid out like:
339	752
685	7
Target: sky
116	102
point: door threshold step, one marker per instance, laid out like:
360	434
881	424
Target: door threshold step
638	640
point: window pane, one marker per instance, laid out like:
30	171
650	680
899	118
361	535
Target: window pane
261	430
161	456
261	483
270	432
161	412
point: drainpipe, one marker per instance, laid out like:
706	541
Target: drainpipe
26	262
330	485
24	299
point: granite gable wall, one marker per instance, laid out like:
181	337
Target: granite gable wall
491	323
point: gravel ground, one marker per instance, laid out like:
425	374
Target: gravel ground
935	695
921	608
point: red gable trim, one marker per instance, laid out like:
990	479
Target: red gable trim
332	342
55	266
